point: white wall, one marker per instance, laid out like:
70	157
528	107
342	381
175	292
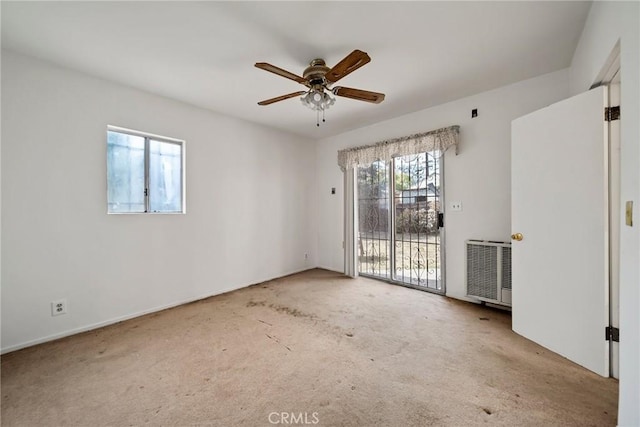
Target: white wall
250	205
607	23
0	202
479	176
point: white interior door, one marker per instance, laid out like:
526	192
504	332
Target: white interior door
560	206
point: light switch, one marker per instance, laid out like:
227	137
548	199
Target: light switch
629	213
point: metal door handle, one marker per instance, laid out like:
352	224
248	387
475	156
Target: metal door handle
517	236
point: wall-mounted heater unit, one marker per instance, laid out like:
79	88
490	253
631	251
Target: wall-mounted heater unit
489	271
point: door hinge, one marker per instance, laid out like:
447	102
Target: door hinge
612	334
440	220
611	113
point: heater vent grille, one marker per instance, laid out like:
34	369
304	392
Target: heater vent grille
482	272
489	271
506	267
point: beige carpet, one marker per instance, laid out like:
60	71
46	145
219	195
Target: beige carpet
342	352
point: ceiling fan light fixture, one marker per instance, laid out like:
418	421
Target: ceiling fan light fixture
317	100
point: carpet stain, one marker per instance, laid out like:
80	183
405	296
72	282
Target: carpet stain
487	411
280	309
276	339
256	303
291	311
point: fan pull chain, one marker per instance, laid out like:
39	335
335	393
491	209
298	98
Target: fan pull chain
323	116
318	118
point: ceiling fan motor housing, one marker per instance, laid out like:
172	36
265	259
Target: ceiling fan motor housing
315	72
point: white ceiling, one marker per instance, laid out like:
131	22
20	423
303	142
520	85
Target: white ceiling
423	53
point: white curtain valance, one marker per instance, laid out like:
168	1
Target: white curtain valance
439	139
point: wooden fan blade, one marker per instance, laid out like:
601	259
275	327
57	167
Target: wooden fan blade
281	98
279	71
360	95
349	64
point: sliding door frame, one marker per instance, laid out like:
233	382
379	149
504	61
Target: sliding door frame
351	214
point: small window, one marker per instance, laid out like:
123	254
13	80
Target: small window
145	173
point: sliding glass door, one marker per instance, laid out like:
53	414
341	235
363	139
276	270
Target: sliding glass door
399	236
418	260
374	237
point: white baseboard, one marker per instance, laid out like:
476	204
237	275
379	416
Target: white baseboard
112	321
330	269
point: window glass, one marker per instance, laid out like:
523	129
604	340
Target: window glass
125	172
165	176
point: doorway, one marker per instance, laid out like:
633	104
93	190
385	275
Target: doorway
400	226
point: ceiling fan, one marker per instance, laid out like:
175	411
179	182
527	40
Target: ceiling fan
318	78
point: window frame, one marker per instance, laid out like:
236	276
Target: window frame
147	156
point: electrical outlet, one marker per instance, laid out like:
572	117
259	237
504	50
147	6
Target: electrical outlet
455	206
59	307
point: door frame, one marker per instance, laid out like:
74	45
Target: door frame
615	223
610	74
